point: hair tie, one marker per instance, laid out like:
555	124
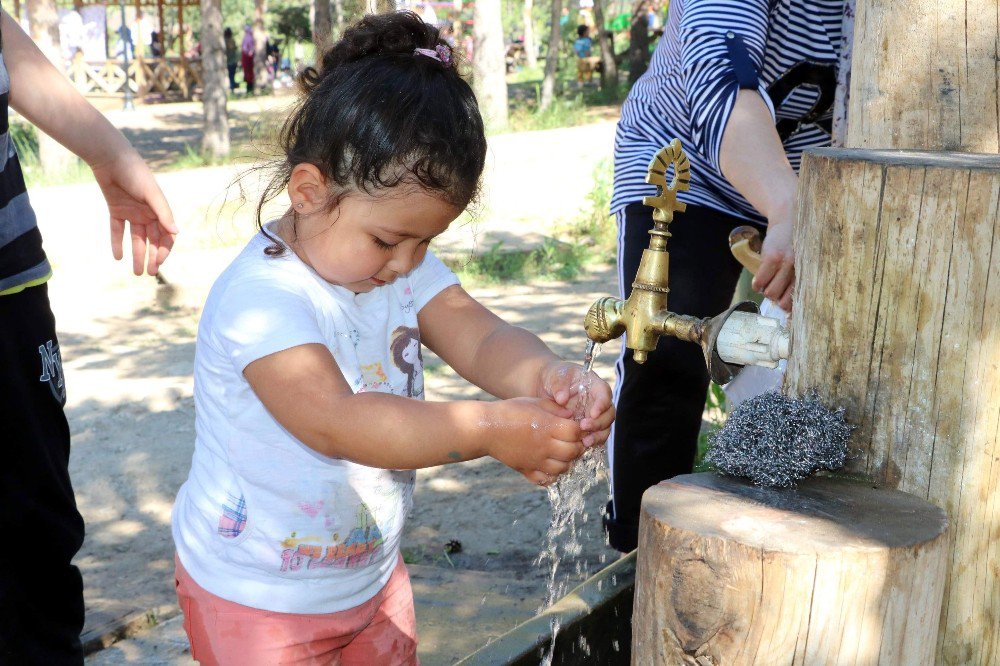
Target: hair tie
441	53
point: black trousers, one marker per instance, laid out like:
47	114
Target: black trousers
660	402
41	592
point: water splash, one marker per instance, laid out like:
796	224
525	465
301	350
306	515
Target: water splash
567	497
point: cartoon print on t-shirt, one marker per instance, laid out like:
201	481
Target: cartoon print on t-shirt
407	356
352	336
362	545
373	378
408	306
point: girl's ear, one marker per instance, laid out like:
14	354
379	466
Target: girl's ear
307	188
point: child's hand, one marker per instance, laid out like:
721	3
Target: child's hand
535	437
561	384
132	195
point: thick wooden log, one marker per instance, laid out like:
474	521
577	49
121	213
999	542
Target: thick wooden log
924	75
898	321
833	572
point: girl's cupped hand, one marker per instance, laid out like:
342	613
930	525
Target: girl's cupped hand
561	383
535	437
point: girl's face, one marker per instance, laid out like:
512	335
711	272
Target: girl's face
367	242
412	352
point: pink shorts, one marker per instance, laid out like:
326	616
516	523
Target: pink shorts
380	631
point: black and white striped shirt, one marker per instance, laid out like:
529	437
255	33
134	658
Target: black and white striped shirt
22	261
709	50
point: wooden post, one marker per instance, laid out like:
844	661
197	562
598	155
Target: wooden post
159	32
898	321
834	572
924	76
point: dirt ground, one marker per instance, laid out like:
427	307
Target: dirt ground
128	346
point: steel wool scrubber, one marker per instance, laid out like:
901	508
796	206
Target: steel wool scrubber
775	441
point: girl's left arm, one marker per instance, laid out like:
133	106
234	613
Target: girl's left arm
508	361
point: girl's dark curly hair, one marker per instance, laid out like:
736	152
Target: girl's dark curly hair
376	115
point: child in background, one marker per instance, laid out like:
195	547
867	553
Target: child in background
309	378
586	64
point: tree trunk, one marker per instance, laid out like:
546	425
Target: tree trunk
551	57
833	572
322	24
338	6
260	75
43	21
215	82
530	47
925	76
638	50
898	322
609	68
488	63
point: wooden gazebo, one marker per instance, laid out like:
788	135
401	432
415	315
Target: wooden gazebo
168	76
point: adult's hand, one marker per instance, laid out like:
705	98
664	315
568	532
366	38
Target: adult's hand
133	196
753	159
776	276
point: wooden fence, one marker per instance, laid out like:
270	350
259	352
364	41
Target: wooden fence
166	76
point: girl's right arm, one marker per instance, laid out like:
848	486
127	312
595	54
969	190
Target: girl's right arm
304	389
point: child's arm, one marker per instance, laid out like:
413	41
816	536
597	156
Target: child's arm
304	389
508	361
41	93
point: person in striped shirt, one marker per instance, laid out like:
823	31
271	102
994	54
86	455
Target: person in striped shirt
746	85
41	592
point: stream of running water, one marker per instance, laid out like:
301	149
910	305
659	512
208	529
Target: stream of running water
567	497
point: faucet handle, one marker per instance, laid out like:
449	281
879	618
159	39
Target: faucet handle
745	244
603	321
665	203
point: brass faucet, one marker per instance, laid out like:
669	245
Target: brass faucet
644	316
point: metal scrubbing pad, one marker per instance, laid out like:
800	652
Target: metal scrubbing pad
774	441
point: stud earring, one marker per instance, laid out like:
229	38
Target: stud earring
298	205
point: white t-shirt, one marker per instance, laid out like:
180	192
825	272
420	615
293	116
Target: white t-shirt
263	520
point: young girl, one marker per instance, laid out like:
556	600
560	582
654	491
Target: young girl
308	373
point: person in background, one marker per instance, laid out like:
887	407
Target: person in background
586	62
468	45
124	43
746	85
41	592
247	49
232	56
155	48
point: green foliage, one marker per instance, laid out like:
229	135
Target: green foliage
563	112
500	265
25	138
713	419
291	22
191	158
588	237
594	229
